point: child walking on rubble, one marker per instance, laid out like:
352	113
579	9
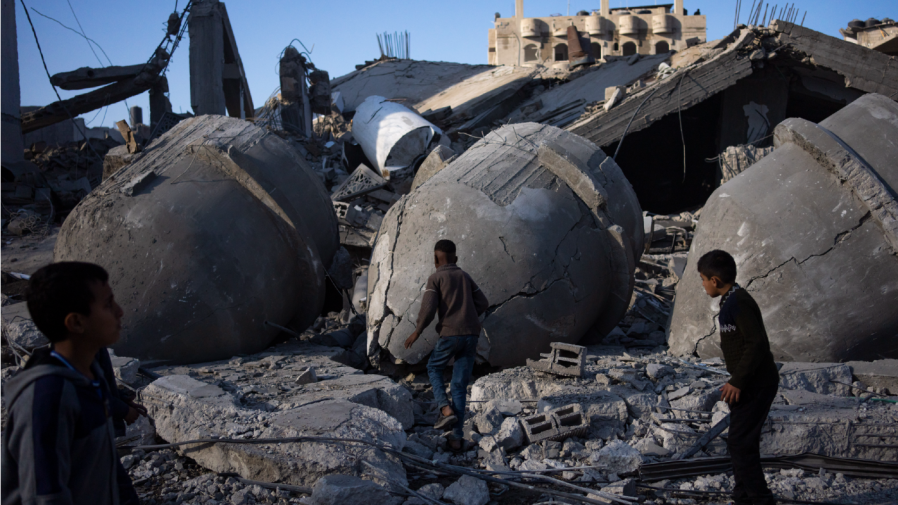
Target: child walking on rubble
754	377
59	443
451	293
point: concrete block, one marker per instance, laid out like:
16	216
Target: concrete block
556	424
510	435
564	359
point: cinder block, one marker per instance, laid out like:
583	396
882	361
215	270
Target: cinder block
565	359
556	424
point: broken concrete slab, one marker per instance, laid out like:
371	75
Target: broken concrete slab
882	373
231	400
20	329
545	252
340	489
221	186
563	104
618	457
817	377
467	491
437	160
814	170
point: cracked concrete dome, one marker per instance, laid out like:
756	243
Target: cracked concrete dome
545	223
217	228
813	227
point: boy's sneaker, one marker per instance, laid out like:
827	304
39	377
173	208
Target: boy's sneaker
445	421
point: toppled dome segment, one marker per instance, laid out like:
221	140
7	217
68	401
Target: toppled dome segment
545	223
218	228
814	230
392	136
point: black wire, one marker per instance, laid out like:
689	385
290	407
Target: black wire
61	104
621	141
680	116
724	493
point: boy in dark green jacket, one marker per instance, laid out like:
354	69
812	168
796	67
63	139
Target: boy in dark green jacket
754	378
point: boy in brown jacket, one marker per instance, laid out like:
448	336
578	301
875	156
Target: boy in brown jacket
453	295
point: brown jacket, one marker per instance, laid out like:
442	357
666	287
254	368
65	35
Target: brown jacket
453	294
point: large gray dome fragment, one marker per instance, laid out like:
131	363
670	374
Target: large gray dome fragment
545	223
216	229
814	230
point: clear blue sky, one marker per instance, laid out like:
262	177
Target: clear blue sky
342	32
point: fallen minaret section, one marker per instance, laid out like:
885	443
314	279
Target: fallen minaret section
545	223
217	229
814	230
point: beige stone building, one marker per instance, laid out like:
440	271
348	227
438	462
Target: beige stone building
651	29
878	35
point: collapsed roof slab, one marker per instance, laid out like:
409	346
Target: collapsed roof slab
863	69
566	103
471	90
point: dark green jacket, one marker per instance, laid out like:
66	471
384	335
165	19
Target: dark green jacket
744	343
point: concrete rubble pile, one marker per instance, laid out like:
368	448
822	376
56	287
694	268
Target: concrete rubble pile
544	221
806	223
270	270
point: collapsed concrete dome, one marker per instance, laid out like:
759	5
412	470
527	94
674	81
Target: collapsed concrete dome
392	136
813	227
545	223
217	228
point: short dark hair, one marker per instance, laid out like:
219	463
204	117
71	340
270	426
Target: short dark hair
718	264
446	246
59	289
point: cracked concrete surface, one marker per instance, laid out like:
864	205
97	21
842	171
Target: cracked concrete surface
231	230
553	269
813	241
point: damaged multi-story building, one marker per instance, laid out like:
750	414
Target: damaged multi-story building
622	31
270	260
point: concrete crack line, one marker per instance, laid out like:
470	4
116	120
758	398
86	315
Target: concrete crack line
840	237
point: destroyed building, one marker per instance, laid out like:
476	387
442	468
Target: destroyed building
270	263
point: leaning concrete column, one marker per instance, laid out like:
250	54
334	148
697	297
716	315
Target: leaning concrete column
159	103
294	105
12	124
206	58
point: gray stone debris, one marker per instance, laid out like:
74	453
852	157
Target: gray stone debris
342	489
257	397
510	435
467	491
20	329
818	211
618	457
558	234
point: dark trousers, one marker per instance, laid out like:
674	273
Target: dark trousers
127	495
747	417
462	348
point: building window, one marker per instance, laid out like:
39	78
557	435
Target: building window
596	50
662	47
616	47
531	53
561	52
629	48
